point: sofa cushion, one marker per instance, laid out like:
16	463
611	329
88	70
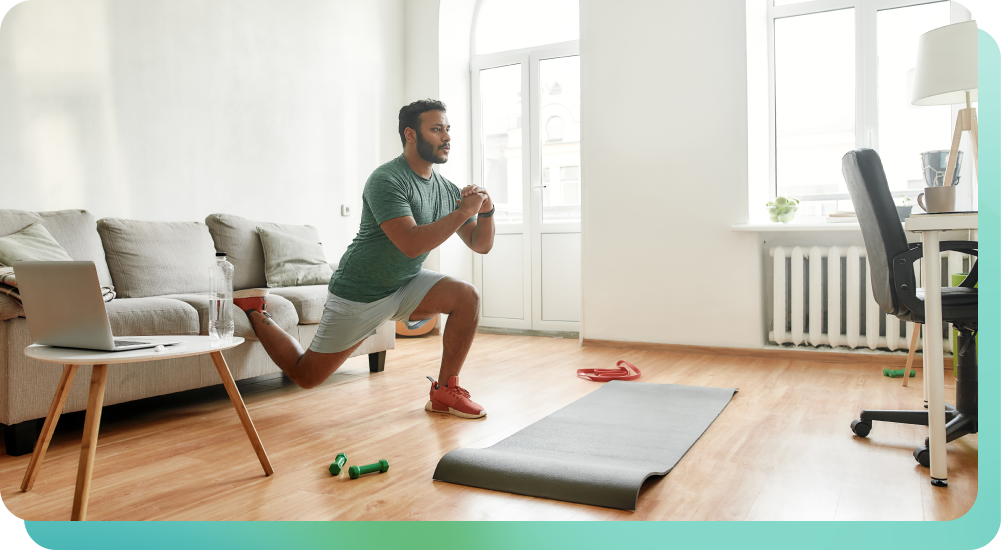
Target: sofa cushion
307	300
281	310
157	258
151	317
74	230
293	261
238	238
31	244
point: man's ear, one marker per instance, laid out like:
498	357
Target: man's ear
410	134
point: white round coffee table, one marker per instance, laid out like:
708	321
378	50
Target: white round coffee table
73	358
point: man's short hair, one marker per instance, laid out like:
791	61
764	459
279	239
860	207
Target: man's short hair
410	115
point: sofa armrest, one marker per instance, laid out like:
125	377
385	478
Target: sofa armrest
9	308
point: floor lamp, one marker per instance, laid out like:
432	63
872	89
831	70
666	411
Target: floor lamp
946	74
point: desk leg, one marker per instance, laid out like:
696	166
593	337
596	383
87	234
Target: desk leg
55	410
933	352
241	410
910	353
91	425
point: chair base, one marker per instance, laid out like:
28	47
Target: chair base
960	420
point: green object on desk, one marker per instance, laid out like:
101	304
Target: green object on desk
958	278
897	373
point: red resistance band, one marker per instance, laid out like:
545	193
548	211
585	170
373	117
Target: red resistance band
604	375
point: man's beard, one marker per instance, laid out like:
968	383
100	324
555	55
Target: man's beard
427	152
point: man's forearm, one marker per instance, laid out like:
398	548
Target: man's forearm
483	235
425	238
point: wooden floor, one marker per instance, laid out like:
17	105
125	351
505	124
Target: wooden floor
781	450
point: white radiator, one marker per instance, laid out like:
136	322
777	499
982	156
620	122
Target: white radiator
818	302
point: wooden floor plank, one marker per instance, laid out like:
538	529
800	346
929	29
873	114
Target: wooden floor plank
782	448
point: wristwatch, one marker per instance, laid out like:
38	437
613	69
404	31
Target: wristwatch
488	214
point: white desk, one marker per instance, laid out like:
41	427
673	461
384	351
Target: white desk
929	225
73	358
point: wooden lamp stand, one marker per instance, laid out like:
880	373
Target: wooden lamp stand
966	120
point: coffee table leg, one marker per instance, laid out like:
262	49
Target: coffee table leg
241	410
91	425
55	410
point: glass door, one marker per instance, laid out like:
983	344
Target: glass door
556	190
501	164
527	120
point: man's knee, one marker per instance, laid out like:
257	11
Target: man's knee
470	297
313	369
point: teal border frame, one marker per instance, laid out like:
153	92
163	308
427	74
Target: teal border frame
974	530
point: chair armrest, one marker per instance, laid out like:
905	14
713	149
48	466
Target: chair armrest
966	247
971	279
904	284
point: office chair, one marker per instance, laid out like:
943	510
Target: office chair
891	260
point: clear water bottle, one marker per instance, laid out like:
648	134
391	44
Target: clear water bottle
221	298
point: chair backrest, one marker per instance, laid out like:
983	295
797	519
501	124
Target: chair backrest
877	216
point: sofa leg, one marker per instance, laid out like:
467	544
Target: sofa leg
20	438
377	361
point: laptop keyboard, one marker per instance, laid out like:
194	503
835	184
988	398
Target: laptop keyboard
129	343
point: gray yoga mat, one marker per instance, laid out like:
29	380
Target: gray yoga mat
597	450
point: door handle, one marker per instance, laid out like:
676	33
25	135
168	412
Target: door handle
538	187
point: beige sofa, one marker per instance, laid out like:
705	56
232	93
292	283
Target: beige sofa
159	272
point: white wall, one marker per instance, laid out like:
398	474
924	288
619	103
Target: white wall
664	126
175	109
421	50
454	55
437	67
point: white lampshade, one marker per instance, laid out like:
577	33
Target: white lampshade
947	65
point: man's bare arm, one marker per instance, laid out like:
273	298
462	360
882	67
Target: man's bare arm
478	235
414	240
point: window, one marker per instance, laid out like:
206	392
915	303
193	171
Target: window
528	69
500	105
839	78
554	129
569	173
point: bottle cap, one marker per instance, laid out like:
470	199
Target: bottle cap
220	254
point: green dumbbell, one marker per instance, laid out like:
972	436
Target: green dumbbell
378	467
339	462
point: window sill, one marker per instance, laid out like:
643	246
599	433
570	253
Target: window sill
796	227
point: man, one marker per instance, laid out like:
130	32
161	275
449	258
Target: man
408	210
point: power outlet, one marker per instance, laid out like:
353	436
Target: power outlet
345	210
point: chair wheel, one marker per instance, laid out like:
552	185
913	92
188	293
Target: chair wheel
861	428
923	457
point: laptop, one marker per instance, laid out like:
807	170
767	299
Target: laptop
64	307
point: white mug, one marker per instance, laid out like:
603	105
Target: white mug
940	199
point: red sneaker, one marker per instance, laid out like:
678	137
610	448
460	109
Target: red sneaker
252	299
452	399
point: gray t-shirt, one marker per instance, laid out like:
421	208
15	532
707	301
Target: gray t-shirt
373	267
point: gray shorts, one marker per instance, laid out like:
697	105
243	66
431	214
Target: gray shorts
345	323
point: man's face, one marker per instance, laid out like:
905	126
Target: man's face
433	139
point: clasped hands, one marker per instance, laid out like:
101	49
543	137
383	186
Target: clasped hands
475	199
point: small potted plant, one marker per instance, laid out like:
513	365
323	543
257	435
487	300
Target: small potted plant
904	207
782	209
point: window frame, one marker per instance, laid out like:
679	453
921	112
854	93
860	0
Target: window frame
866	74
